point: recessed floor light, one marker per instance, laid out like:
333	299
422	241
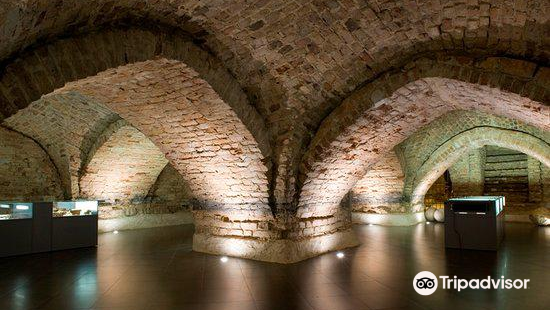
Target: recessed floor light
115	232
224	259
340	255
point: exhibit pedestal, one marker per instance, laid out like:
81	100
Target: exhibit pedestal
475	223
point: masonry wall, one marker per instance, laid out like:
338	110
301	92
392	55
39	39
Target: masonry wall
467	175
380	190
123	169
539	182
66	125
168	202
506	174
438	193
170	193
26	171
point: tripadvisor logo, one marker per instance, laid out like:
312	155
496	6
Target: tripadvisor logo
425	283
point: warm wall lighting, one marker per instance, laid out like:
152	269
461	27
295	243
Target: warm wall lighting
340	255
224	259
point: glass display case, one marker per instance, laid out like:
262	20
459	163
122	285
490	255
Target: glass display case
47	226
15	210
74	208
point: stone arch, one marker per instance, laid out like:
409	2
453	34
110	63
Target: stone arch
448	153
526	78
42	70
223	208
358	132
66	126
122	166
199	134
287	69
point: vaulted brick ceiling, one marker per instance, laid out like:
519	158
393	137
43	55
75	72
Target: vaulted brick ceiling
66	126
295	61
123	165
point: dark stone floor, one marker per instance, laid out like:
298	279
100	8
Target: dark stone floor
155	269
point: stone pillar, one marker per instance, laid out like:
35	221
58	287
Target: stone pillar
286	239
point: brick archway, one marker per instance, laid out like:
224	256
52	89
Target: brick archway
48	67
355	136
451	151
66	126
201	136
122	165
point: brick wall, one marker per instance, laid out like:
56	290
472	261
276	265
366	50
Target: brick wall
170	191
26	171
66	125
520	178
121	168
381	189
468	174
539	182
438	193
334	163
506	174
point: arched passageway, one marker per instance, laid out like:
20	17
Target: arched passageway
341	154
450	152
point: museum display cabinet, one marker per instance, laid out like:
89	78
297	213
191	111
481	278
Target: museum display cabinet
47	226
16	228
74	224
475	223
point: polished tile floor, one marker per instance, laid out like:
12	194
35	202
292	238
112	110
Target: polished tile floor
156	269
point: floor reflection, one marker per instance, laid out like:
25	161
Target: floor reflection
156	269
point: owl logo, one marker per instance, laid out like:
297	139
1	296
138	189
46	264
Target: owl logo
425	283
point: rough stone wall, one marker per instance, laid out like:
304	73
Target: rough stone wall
381	189
66	125
468	174
26	171
121	168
